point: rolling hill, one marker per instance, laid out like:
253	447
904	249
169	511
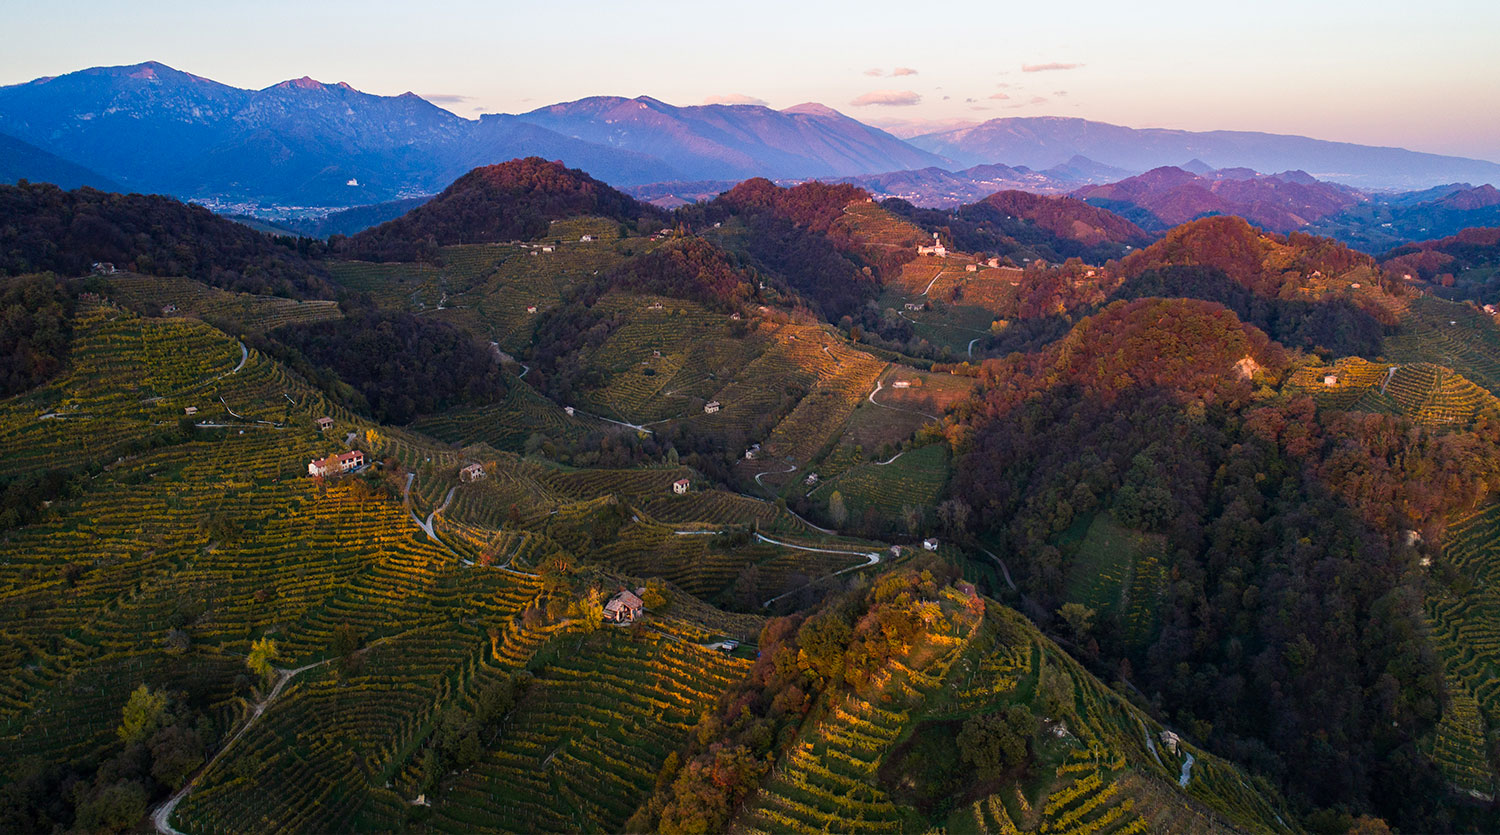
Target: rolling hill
746	519
1165	197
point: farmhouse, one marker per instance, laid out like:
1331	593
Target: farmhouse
734	317
546	249
568	410
473	472
895	550
325	423
624	607
336	464
530	308
930	544
971	268
710	407
902	384
937	248
190	410
104	268
168	310
913	306
587	239
1330	379
993	262
812	478
680	486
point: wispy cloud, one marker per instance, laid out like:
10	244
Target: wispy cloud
999	96
1048	67
1038	100
446	98
888	98
735	98
903	71
875	71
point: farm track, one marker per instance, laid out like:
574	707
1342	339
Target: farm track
161	818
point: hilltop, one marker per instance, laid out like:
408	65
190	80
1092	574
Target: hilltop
43	228
511	201
1165	197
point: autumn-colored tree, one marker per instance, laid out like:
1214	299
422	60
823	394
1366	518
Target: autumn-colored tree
263	653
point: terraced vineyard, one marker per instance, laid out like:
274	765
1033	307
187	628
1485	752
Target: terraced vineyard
1425	392
1109	776
916	478
591	737
1466	627
1453	335
154	294
668	354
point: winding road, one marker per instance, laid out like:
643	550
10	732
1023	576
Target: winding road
879	386
871	558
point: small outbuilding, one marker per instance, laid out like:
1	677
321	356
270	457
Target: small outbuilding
680	486
1170	741
710	407
190	410
930	543
624	607
325	423
473	472
1330	379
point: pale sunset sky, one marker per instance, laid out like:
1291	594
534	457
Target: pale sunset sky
1423	76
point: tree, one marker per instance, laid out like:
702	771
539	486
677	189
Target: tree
143	714
911	515
995	743
262	653
836	509
175	753
1079	617
954	515
346	640
112	808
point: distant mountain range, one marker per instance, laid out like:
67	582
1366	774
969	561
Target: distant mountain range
1043	142
308	147
152	128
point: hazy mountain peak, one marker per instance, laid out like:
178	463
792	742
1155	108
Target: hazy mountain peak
812	108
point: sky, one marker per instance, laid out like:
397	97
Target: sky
1421	76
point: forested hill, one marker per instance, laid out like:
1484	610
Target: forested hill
43	228
506	202
1241	548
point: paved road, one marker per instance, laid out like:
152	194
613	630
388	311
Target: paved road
871	558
